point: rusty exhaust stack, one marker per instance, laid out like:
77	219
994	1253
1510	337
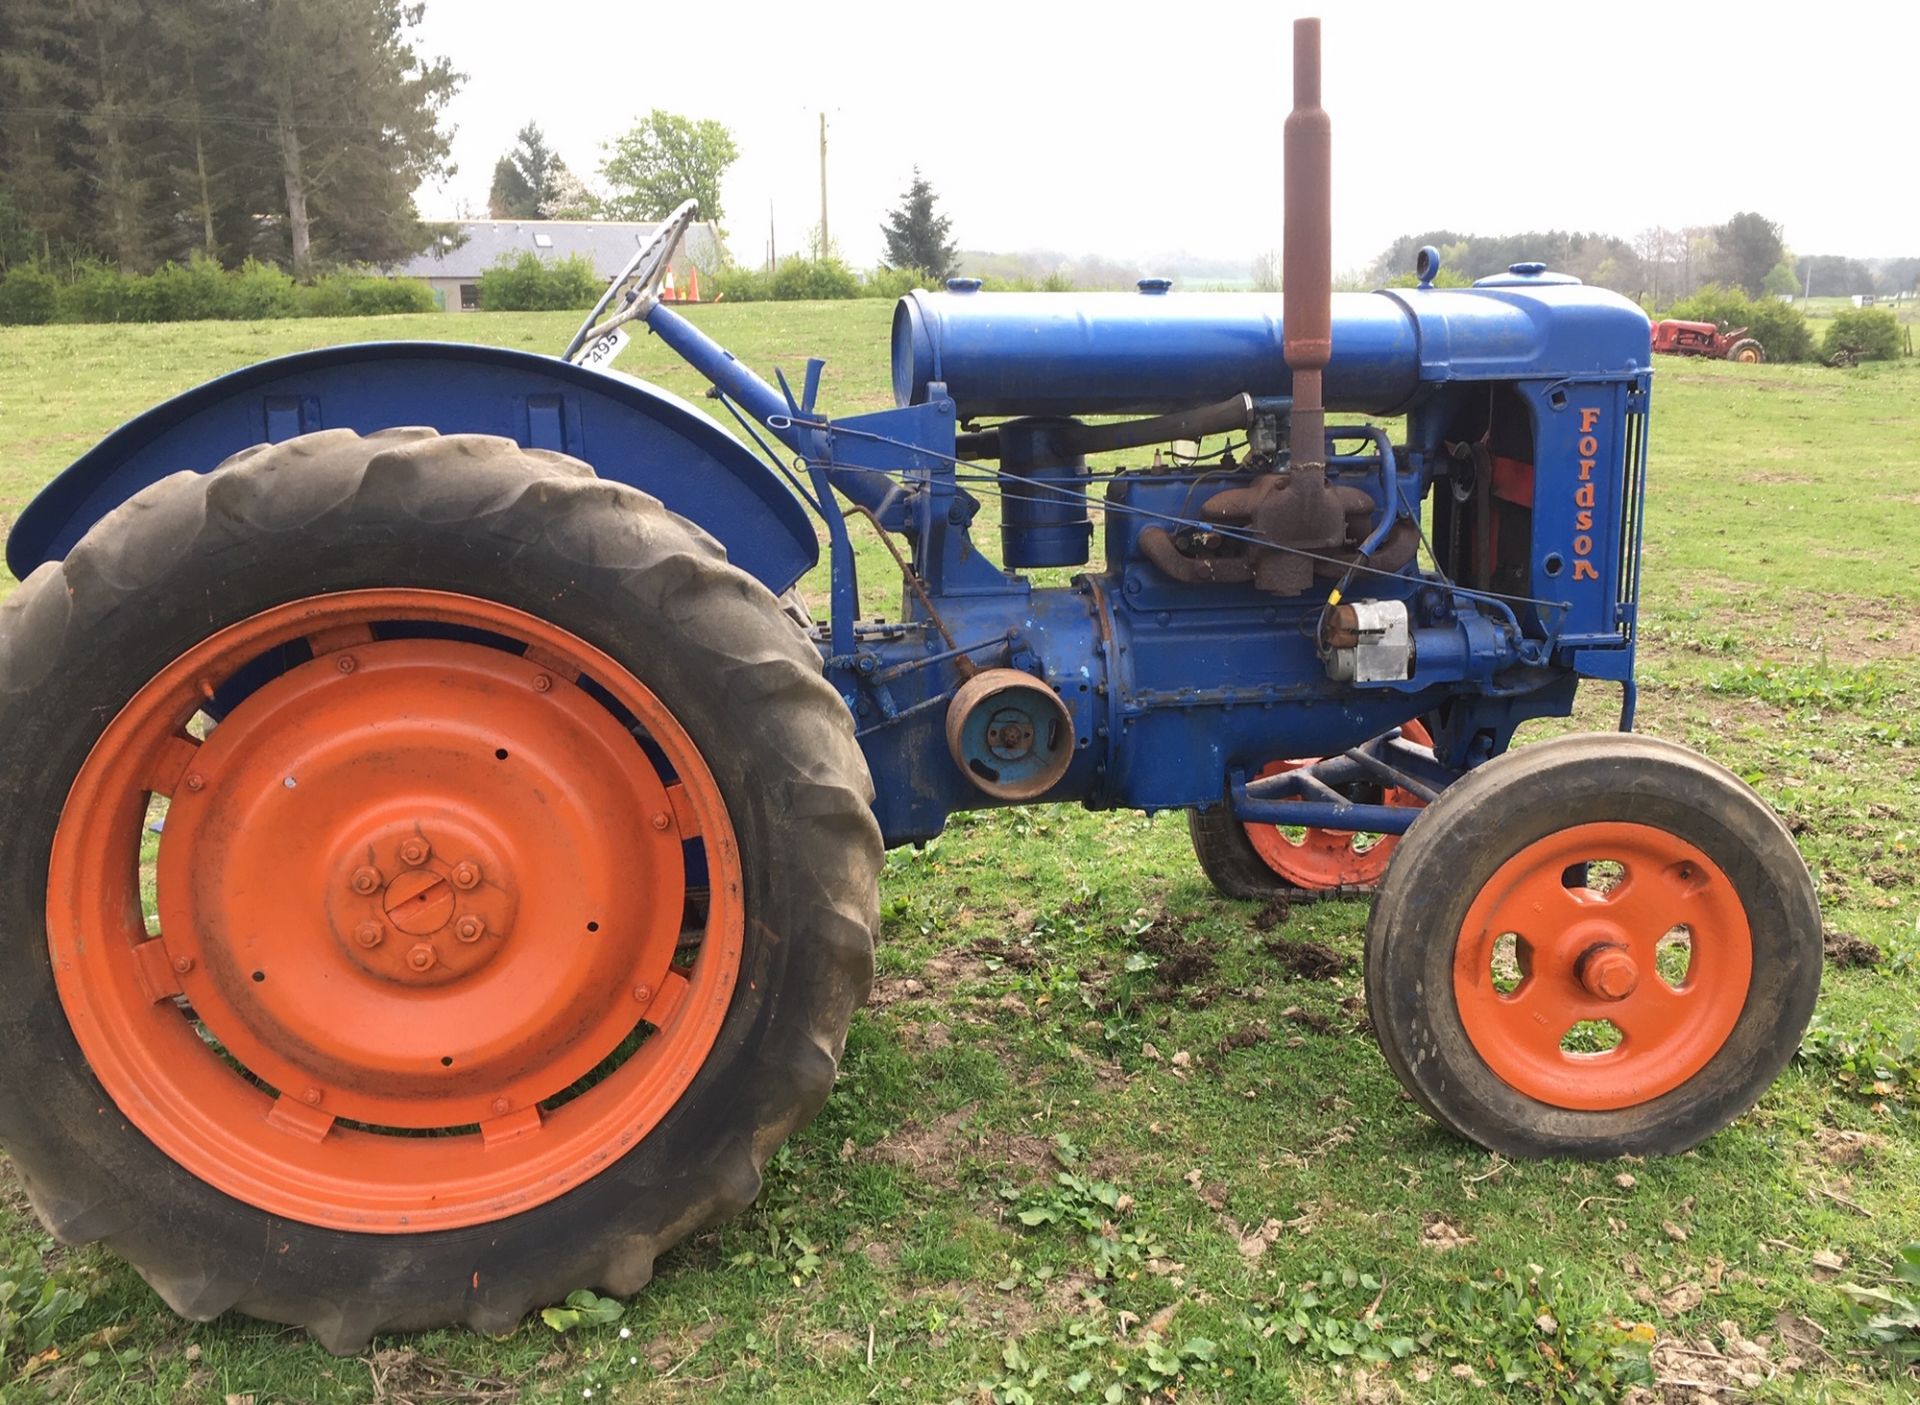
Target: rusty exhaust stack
1308	259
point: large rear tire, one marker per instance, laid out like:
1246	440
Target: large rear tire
1595	946
510	912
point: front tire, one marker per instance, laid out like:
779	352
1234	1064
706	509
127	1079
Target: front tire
524	821
1582	885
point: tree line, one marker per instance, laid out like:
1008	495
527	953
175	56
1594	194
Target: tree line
289	131
1658	266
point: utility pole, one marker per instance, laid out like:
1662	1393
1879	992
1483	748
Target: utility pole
826	243
772	258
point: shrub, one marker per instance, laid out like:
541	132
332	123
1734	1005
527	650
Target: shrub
1869	333
94	294
737	283
198	291
798	279
1780	328
28	296
365	295
896	282
526	284
259	290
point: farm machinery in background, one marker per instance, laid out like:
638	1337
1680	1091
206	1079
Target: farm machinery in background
1672	337
518	835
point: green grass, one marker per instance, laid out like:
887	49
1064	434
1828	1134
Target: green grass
1246	1179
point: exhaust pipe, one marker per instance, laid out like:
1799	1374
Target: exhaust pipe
1308	257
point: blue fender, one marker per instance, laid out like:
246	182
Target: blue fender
631	432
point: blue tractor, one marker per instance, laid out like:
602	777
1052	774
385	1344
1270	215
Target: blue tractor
443	853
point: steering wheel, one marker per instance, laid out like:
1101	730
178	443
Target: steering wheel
640	281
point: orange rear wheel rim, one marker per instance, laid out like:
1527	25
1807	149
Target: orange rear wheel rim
1584	955
427	953
1326	859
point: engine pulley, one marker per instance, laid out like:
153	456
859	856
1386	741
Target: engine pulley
1010	733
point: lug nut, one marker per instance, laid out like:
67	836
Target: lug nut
183	964
346	663
368	934
196	781
541	683
466	875
422	957
643	993
415	851
471	929
661	819
311	1097
366	879
501	1107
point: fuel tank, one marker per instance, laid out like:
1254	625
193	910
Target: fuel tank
1152	351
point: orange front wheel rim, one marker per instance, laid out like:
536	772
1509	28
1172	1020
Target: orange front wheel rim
1603	966
447	914
1322	860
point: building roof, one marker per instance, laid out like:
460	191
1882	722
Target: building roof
606	244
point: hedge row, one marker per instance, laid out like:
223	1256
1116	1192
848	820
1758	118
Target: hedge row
201	291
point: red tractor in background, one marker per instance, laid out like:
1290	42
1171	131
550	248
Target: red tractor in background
1672	337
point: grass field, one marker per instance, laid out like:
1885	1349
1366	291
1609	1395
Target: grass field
1102	1135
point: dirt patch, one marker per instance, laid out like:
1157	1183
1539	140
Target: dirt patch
1700	1368
1014	957
1439	1232
673	1349
1305	960
1180	957
1312	1019
1846	950
1846	1148
403	1376
1274	914
934	1151
890	990
1245	1037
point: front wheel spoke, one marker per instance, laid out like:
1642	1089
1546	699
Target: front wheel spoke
298	1117
171	763
511	1127
338	637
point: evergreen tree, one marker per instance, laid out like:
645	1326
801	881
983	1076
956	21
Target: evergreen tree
293	129
917	237
523	179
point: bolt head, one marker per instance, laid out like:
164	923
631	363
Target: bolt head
661	819
501	1107
643	993
471	929
346	663
366	879
542	683
422	957
369	934
1609	973
183	964
311	1097
196	781
415	851
466	875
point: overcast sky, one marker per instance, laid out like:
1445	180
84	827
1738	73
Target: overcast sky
1133	131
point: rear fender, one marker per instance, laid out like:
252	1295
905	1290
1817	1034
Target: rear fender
631	432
